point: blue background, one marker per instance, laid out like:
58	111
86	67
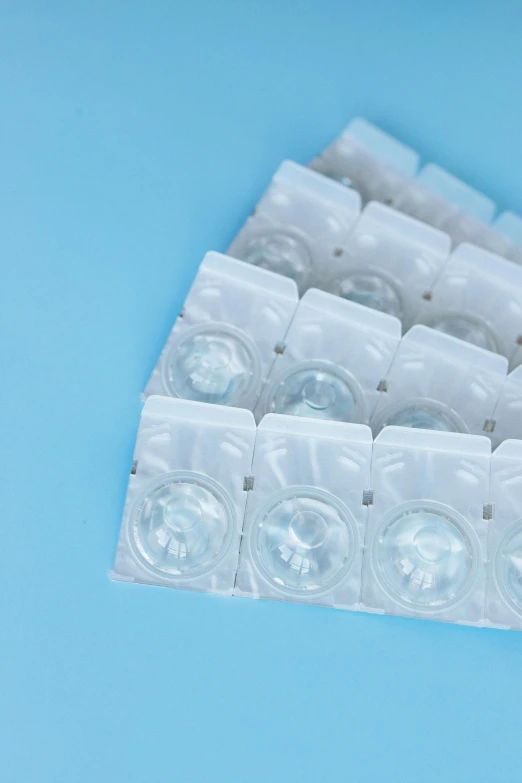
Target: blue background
134	137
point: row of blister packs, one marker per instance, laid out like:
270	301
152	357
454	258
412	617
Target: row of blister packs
319	425
245	339
417	523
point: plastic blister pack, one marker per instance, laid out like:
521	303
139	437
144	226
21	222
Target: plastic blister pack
426	537
504	593
390	261
383	169
442	200
297	224
334	355
221	347
438	382
186	496
369	160
305	520
507	418
478	298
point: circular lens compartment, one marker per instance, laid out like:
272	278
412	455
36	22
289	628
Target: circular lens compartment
303	541
425	556
181	526
282	252
319	390
419	413
372	289
464	327
508	567
213	363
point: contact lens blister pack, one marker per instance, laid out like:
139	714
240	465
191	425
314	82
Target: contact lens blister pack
506	421
504	592
438	382
426	538
478	298
369	160
440	199
186	496
297	224
305	520
334	355
381	168
223	344
390	261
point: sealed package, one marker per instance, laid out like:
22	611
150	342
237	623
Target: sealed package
390	262
504	593
297	225
426	539
333	357
223	344
305	520
478	298
506	421
369	160
186	496
438	382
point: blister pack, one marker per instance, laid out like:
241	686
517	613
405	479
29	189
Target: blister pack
506	421
426	538
437	382
369	160
305	520
296	226
334	355
223	344
504	593
381	168
390	261
478	298
186	497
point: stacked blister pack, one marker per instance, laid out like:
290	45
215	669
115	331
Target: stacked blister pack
319	425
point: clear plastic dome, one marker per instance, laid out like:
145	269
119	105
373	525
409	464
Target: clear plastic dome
419	414
280	252
181	526
319	390
470	330
508	568
303	542
425	557
214	363
372	290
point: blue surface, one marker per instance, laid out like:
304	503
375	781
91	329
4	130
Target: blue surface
134	137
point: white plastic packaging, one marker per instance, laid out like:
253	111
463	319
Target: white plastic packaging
305	520
297	224
186	496
426	538
506	421
504	590
438	382
369	160
223	344
390	261
478	298
334	355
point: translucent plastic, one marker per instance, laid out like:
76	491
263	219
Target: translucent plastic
186	498
504	593
507	418
334	355
390	262
305	520
438	382
478	298
297	225
426	536
223	344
